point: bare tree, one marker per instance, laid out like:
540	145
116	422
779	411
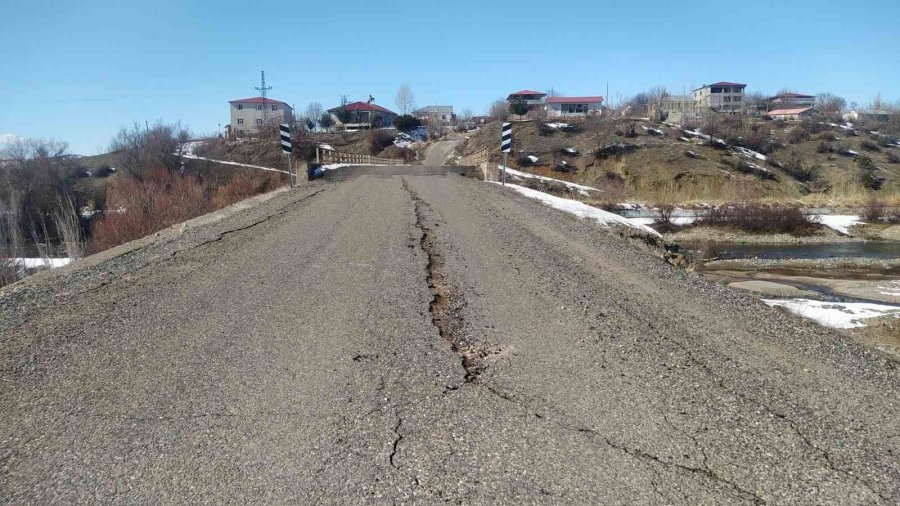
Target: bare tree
499	110
465	117
143	149
553	92
830	103
68	226
314	111
405	100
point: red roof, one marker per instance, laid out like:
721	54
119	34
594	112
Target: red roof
257	100
574	100
527	92
364	106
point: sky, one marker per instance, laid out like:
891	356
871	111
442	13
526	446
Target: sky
79	70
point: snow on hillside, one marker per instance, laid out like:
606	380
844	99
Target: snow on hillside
581	210
580	188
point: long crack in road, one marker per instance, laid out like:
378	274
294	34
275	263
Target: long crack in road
426	338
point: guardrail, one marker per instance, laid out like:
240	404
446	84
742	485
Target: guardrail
331	156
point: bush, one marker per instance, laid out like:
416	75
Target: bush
663	221
407	123
893	157
827	136
870	146
616	150
873	211
760	219
867	177
825	147
139	207
379	140
795	168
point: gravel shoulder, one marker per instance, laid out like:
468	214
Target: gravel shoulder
427	338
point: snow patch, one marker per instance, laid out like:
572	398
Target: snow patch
533	159
839	222
580	188
195	157
580	209
37	263
839	315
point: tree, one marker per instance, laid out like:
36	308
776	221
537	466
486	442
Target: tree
519	107
830	103
405	99
407	122
141	149
465	117
553	92
326	121
756	100
499	109
313	111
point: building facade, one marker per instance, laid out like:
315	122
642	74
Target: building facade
566	107
362	116
791	101
533	99
722	97
795	114
436	115
250	115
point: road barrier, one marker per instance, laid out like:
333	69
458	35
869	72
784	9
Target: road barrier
331	156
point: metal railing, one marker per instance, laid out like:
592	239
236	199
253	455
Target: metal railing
331	156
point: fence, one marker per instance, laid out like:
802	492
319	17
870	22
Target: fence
476	158
481	159
331	156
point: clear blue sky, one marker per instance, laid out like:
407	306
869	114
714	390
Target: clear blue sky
79	70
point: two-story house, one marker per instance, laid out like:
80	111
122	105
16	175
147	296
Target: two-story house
362	116
436	115
791	101
249	115
533	99
720	97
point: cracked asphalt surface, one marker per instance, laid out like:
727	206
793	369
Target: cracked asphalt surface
426	339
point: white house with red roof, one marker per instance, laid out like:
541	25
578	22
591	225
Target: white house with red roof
793	114
567	107
362	116
723	96
249	115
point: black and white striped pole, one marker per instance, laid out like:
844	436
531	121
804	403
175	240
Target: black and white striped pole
286	148
505	143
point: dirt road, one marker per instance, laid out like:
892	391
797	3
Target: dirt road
426	338
440	152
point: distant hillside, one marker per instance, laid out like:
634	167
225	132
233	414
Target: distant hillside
811	163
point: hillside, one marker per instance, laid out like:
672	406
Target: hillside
633	159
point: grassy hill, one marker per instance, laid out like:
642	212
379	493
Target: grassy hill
632	159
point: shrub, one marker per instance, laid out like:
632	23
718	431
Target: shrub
795	168
827	136
825	147
873	211
893	157
138	207
379	140
760	219
870	146
663	221
867	177
616	150
407	123
239	188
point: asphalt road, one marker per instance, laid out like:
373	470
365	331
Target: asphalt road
426	339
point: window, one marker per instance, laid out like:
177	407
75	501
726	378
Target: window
240	121
259	122
716	90
240	107
258	107
274	107
736	99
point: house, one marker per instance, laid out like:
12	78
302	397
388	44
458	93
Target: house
436	115
795	114
878	115
362	116
533	99
792	101
723	97
674	108
249	115
564	107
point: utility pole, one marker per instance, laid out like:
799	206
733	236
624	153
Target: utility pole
263	90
